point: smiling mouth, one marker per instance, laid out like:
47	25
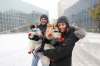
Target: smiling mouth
62	30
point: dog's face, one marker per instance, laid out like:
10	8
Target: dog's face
35	31
52	31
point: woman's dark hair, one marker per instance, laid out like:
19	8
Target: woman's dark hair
63	19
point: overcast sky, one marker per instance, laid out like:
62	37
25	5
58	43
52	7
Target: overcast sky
49	5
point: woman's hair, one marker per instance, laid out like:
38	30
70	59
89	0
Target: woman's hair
63	19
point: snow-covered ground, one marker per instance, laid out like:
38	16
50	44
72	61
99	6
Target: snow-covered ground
87	51
13	50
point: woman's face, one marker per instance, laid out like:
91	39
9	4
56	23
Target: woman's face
62	27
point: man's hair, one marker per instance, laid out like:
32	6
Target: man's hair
44	16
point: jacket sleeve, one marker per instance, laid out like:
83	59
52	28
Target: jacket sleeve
79	32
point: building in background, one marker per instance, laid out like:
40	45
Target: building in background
63	4
15	14
61	7
78	14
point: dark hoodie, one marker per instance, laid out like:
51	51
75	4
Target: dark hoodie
43	29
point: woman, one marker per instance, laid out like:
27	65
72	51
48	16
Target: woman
62	54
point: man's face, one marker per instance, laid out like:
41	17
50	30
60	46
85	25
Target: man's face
62	27
43	21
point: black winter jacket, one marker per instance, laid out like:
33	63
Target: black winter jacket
62	54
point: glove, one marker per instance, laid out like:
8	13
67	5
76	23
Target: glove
31	36
36	38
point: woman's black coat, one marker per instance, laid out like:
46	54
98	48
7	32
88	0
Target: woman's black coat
62	54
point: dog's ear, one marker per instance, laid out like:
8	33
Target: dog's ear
49	25
32	26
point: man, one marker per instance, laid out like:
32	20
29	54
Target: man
43	26
62	54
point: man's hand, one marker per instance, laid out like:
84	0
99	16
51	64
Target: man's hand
36	38
30	51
